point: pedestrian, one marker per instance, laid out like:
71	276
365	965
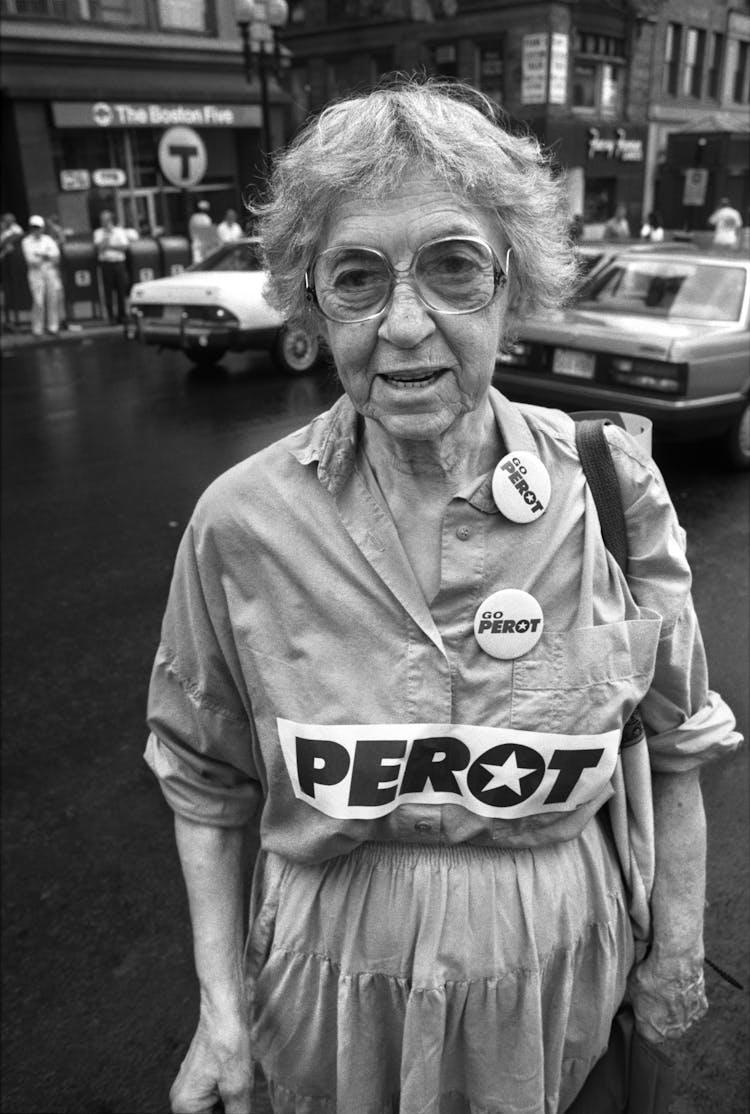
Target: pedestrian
42	257
727	224
229	230
11	234
653	229
203	236
389	646
111	242
617	227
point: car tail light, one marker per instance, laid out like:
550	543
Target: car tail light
515	354
649	375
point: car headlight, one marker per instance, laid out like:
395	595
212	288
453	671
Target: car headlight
649	375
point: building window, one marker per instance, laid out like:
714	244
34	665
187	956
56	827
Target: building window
672	51
183	15
491	69
692	74
716	53
740	82
444	59
35	9
598	69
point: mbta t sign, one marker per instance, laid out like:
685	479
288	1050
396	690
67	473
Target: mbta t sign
182	157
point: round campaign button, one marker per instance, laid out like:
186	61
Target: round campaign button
521	486
508	624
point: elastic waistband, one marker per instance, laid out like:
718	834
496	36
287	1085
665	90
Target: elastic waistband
446	854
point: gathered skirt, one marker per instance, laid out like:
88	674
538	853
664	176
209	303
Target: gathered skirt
411	979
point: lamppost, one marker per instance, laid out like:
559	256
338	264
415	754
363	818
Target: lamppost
257	21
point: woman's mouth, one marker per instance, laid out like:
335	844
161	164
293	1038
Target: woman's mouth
414	380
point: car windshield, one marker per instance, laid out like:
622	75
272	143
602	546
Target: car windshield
667	288
232	257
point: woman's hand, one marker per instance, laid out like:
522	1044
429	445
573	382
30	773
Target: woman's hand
666	989
667	993
217	1066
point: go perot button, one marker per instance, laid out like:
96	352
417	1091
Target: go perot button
423	826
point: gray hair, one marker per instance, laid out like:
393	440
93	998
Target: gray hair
365	146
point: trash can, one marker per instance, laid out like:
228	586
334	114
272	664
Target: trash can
144	260
80	279
175	254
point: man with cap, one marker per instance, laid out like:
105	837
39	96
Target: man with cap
203	236
42	257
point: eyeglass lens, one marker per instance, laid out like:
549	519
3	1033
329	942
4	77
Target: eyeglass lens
453	275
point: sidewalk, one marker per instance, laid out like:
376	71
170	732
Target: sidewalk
76	332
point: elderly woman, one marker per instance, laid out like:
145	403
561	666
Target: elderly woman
397	639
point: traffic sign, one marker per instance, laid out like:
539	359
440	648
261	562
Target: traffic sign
182	157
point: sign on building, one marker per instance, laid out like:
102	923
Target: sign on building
558	69
109	177
182	157
696	182
534	69
75	180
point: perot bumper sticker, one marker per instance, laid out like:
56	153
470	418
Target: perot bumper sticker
364	771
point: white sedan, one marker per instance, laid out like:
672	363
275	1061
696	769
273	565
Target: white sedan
215	307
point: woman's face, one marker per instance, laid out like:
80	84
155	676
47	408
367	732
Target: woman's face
414	371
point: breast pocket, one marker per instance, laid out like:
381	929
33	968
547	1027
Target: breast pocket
584	680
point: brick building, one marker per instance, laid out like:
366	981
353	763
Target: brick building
603	83
639	99
89	89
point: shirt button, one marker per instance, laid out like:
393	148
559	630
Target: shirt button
423	826
463	532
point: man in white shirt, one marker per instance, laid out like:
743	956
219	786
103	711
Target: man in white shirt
203	234
230	230
727	224
111	242
42	257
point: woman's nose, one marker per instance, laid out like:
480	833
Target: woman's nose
407	321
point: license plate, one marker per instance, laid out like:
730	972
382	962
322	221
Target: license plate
171	315
568	361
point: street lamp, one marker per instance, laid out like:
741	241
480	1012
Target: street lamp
257	21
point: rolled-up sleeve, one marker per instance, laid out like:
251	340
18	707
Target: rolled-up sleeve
687	724
200	745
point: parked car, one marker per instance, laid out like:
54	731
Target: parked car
664	334
215	307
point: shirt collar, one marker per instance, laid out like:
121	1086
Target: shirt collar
331	441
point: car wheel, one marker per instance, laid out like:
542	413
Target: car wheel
738	445
205	357
296	351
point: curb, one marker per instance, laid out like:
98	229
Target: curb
9	342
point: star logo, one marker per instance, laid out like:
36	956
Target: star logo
507	775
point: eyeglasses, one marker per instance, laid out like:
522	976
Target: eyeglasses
455	274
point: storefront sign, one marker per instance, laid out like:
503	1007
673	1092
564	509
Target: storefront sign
109	177
182	157
617	147
74	180
696	181
534	69
129	114
558	69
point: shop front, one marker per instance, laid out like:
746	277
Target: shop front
604	166
112	155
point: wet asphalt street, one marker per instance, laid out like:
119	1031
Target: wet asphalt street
105	450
